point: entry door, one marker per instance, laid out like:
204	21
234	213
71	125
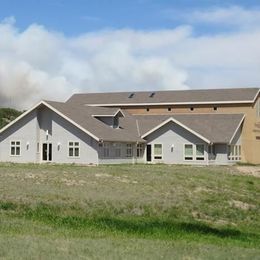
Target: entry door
47	152
148	153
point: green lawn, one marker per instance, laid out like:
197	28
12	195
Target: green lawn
128	212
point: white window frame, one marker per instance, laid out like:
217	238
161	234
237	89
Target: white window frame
158	155
201	157
129	150
15	147
184	155
140	150
73	147
234	152
194	153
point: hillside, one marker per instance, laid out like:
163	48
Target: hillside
7	115
128	212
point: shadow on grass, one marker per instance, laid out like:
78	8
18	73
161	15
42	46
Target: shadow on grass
141	226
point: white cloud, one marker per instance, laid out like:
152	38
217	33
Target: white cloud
40	64
230	16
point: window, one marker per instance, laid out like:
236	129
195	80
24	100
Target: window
157	151
118	150
131	95
147	109
129	150
234	152
169	109
192	108
258	108
188	152
140	150
73	149
194	152
115	122
200	152
15	148
215	108
106	150
38	147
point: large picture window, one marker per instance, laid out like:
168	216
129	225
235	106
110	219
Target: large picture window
157	151
73	149
15	148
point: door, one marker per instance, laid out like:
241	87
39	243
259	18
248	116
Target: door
47	152
148	153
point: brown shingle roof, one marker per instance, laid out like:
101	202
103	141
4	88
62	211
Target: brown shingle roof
217	128
168	97
83	116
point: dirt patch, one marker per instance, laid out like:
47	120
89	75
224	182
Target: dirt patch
249	170
241	205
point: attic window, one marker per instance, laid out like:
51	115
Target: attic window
147	109
169	109
131	95
192	108
152	95
215	108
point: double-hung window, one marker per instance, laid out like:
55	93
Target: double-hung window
188	152
129	150
15	148
157	151
74	149
200	152
140	150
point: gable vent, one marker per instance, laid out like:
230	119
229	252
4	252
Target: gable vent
152	95
131	95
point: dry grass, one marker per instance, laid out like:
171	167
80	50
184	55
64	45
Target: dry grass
145	211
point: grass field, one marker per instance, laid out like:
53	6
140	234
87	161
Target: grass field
128	212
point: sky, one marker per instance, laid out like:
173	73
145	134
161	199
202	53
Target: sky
53	48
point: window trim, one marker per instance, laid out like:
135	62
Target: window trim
200	156
20	145
154	155
73	147
184	155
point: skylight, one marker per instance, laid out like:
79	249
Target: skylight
131	95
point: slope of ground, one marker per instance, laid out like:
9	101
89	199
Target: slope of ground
128	212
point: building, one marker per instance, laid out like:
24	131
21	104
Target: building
220	126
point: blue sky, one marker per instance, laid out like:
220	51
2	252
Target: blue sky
81	16
53	48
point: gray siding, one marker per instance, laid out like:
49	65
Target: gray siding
32	129
173	137
25	131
